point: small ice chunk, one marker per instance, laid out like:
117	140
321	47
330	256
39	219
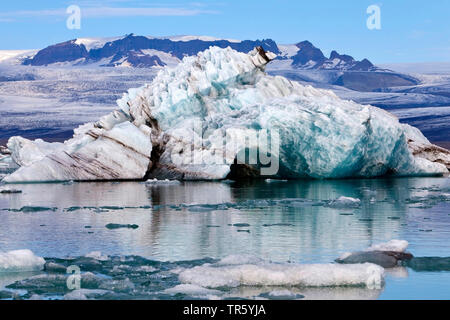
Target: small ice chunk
192	290
55	267
281	295
393	245
345	202
117	285
148	269
20	261
97	255
84	294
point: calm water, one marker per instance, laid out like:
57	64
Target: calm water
199	221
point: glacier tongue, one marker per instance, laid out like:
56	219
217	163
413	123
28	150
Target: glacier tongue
194	121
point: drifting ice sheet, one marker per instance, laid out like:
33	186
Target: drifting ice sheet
271	274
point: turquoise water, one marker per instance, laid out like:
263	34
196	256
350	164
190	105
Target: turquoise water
193	223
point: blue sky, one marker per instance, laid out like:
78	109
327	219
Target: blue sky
411	30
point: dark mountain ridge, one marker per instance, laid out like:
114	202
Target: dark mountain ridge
121	49
310	57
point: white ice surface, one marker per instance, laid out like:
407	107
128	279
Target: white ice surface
393	245
192	290
288	50
95	43
344	202
97	255
14	56
20	261
295	275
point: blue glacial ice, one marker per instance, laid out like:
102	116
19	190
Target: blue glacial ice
155	133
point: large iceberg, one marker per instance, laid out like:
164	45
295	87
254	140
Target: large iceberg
218	115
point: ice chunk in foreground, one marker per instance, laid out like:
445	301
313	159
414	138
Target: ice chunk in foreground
272	274
20	261
195	120
191	289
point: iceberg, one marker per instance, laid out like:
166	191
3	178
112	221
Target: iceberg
218	115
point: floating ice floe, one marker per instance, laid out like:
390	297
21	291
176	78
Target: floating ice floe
274	180
194	122
97	255
388	255
392	245
85	294
283	294
20	261
192	290
344	202
244	271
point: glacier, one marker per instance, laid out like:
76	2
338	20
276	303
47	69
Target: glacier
191	123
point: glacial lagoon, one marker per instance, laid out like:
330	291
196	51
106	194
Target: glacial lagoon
132	240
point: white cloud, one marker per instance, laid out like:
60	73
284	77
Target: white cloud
136	12
100	12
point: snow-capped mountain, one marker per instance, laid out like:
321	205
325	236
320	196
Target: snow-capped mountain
146	52
137	51
15	57
305	55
